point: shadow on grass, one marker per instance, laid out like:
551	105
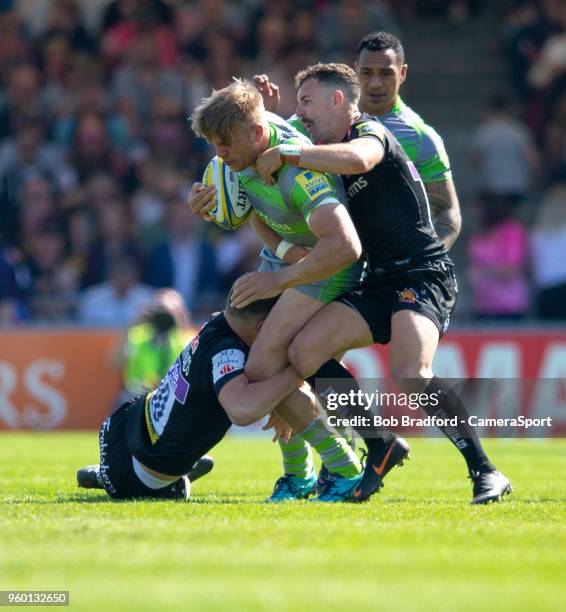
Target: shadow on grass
229	500
242	499
102	497
78	498
60	499
445	501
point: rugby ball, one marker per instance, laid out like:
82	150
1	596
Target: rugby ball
233	206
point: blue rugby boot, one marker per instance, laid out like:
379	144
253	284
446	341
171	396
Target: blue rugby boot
290	488
336	488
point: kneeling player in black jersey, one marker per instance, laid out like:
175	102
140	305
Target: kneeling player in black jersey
410	288
150	444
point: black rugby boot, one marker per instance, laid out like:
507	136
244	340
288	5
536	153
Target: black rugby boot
489	486
378	465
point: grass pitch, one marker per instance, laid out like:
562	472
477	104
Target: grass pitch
418	545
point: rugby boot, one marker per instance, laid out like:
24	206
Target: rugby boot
323	473
337	488
290	488
181	489
378	465
89	477
201	468
489	487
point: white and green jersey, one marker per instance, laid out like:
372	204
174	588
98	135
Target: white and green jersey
287	205
422	143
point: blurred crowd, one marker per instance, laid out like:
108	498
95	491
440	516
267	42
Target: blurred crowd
517	251
96	158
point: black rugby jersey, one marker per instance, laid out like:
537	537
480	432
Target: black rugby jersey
389	206
170	428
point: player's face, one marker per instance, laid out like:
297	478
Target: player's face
242	151
316	110
380	74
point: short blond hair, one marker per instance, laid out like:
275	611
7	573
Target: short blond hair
336	75
226	109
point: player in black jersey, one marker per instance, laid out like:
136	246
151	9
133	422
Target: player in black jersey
410	288
150	443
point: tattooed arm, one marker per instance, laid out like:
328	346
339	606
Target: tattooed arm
445	210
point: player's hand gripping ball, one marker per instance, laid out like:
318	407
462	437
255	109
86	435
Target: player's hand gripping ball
233	206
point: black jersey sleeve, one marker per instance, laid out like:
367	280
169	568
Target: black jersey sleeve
368	127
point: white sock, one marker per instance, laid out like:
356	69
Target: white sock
149	480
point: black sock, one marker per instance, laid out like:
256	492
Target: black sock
464	436
374	438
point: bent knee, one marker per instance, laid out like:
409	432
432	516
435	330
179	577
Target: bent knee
303	357
265	361
257	371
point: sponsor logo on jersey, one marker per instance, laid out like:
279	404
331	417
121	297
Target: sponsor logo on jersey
159	404
160	400
226	369
357	186
104	468
186	359
283	227
178	383
408	296
313	183
187	355
226	362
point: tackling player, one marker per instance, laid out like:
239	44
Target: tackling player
149	443
410	289
381	69
303	208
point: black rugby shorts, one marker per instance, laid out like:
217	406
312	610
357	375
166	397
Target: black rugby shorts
429	288
116	469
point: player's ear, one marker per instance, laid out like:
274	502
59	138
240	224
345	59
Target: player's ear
403	73
338	98
258	132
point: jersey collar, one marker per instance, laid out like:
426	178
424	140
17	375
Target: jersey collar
248	172
397	107
273	136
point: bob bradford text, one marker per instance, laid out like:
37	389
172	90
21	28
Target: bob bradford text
335	420
358	399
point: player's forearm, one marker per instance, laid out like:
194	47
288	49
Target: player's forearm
270	238
448	231
340	158
330	255
445	210
254	400
291	253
